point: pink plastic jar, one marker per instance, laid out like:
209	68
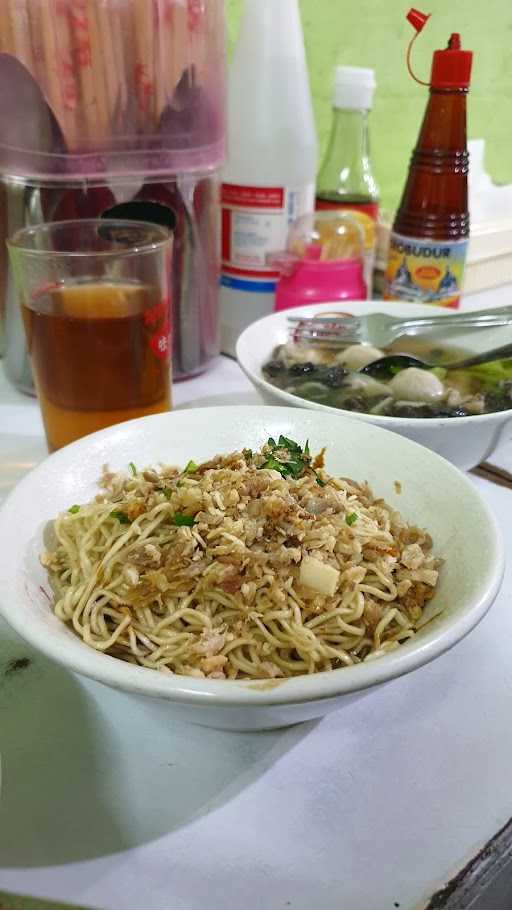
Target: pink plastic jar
321	282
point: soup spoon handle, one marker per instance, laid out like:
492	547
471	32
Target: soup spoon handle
494	354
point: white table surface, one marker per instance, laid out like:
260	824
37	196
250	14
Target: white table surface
109	802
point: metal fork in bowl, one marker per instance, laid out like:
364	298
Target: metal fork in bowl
338	329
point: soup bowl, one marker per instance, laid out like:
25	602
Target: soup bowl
465	441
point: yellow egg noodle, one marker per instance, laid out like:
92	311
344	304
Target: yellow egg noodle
250	566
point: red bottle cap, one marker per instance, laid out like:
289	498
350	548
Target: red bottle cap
451	68
417	19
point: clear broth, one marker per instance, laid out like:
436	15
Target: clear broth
467	392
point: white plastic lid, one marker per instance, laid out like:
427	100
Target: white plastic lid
353	88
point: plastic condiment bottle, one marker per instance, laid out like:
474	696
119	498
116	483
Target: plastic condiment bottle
345	179
269	180
429	239
323	261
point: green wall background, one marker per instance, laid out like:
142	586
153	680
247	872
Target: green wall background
375	33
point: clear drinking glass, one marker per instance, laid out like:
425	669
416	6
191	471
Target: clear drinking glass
96	306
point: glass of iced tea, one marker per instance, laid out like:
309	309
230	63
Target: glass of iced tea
96	307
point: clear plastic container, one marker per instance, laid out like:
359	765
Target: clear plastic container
96	88
327	237
324	261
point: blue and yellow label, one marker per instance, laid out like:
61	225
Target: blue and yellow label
425	271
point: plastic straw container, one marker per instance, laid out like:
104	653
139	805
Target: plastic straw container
99	88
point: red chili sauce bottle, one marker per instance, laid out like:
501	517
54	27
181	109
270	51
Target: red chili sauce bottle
429	239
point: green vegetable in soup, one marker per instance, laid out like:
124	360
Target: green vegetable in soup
489	375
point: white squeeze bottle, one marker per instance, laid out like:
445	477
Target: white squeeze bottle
269	179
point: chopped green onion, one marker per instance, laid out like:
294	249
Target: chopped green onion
351	519
133	469
191	467
167	492
74	509
122	517
306	448
320	482
184	521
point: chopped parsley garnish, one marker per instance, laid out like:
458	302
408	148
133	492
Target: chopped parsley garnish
184	521
295	462
122	517
351	519
74	509
133	469
191	467
272	464
167	492
293	447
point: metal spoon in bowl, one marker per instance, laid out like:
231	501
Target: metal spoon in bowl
386	367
